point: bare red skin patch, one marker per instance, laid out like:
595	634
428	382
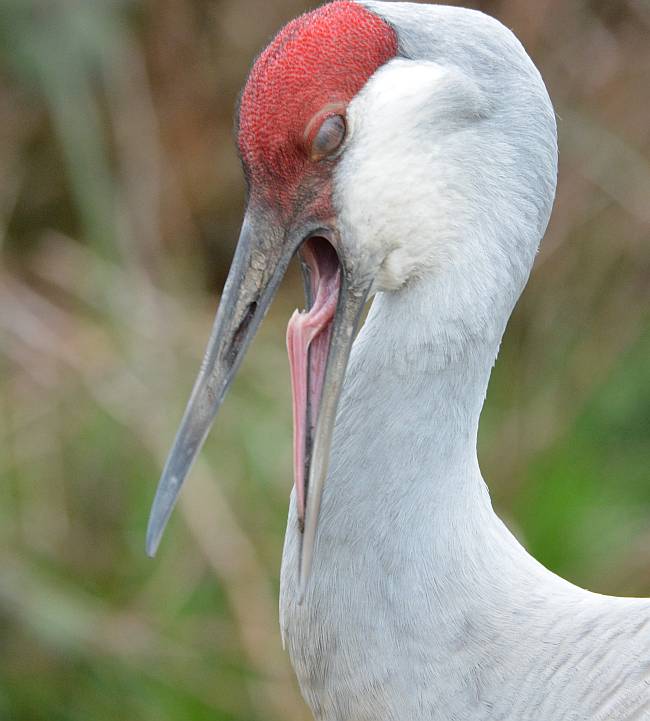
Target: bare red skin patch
321	58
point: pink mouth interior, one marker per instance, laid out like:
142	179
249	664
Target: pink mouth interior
308	340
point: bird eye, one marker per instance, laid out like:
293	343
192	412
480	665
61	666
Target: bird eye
328	137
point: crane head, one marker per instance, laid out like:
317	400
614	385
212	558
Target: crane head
291	132
375	166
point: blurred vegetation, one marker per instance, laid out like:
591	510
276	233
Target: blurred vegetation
120	199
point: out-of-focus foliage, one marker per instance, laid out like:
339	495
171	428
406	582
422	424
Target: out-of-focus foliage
120	197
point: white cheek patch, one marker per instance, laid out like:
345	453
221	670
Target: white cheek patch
395	180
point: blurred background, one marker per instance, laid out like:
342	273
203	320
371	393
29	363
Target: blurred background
120	201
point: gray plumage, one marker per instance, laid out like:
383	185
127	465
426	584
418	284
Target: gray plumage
422	606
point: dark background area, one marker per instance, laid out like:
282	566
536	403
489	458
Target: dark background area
120	201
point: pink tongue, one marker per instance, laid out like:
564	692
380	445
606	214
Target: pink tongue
308	340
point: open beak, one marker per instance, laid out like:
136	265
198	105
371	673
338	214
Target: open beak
319	343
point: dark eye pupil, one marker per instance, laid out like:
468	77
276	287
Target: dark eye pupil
329	137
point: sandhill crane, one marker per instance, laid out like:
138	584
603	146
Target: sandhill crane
405	151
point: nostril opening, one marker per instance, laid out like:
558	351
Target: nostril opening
240	333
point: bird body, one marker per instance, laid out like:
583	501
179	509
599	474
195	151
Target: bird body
423	606
406	151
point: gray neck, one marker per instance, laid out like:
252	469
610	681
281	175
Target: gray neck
407	426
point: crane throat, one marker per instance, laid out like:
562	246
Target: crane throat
309	334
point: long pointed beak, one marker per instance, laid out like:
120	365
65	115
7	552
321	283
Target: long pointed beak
260	261
263	253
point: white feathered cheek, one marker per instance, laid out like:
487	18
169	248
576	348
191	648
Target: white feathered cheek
397	181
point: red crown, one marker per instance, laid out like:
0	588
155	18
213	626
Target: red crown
324	56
